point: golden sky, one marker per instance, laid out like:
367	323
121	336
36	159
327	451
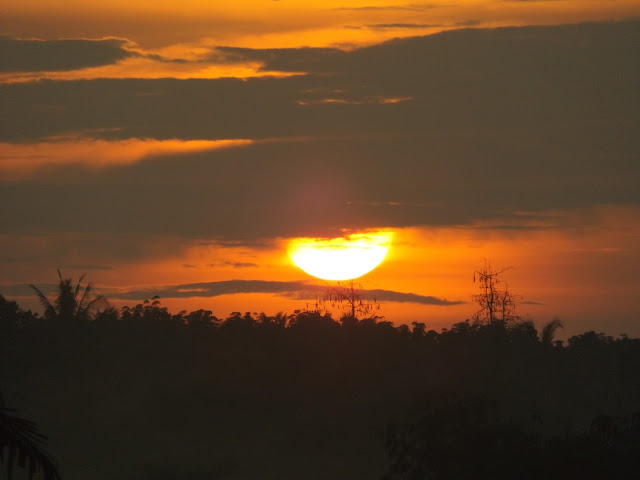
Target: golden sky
187	30
288	23
163	145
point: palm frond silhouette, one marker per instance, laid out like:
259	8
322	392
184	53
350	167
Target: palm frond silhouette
69	304
22	445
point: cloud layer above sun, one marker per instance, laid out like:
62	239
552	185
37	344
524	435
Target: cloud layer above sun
492	123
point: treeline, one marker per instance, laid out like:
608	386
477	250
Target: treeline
140	392
151	313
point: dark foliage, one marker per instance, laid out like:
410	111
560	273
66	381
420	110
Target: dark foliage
22	445
452	437
144	393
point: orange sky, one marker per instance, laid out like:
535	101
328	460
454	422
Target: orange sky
186	29
109	165
581	276
288	22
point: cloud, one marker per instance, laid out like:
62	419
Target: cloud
238	264
301	290
79	250
321	187
481	80
25	290
468	23
24	160
278	59
86	267
298	290
410	7
499	122
390	296
59	55
409	26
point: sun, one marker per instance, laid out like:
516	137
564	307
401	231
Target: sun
341	258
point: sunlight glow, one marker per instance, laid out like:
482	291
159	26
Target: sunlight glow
26	160
340	258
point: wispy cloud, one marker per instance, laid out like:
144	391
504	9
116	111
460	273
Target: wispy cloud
377	8
299	290
278	59
23	160
86	267
377	100
399	26
240	264
28	60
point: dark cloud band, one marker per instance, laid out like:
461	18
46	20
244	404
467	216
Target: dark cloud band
59	55
300	290
492	122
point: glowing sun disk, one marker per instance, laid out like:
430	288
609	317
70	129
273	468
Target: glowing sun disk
340	258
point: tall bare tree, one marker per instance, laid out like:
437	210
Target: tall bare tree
349	297
496	302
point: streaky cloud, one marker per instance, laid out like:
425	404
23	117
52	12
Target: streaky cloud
86	267
301	290
59	55
19	161
408	26
410	7
240	264
278	59
400	297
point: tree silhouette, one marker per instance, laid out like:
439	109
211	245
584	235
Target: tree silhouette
549	331
455	437
277	321
22	445
307	386
201	319
350	299
496	303
70	304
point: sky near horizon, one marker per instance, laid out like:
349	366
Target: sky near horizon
175	148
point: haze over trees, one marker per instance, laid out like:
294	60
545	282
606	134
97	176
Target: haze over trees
143	393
